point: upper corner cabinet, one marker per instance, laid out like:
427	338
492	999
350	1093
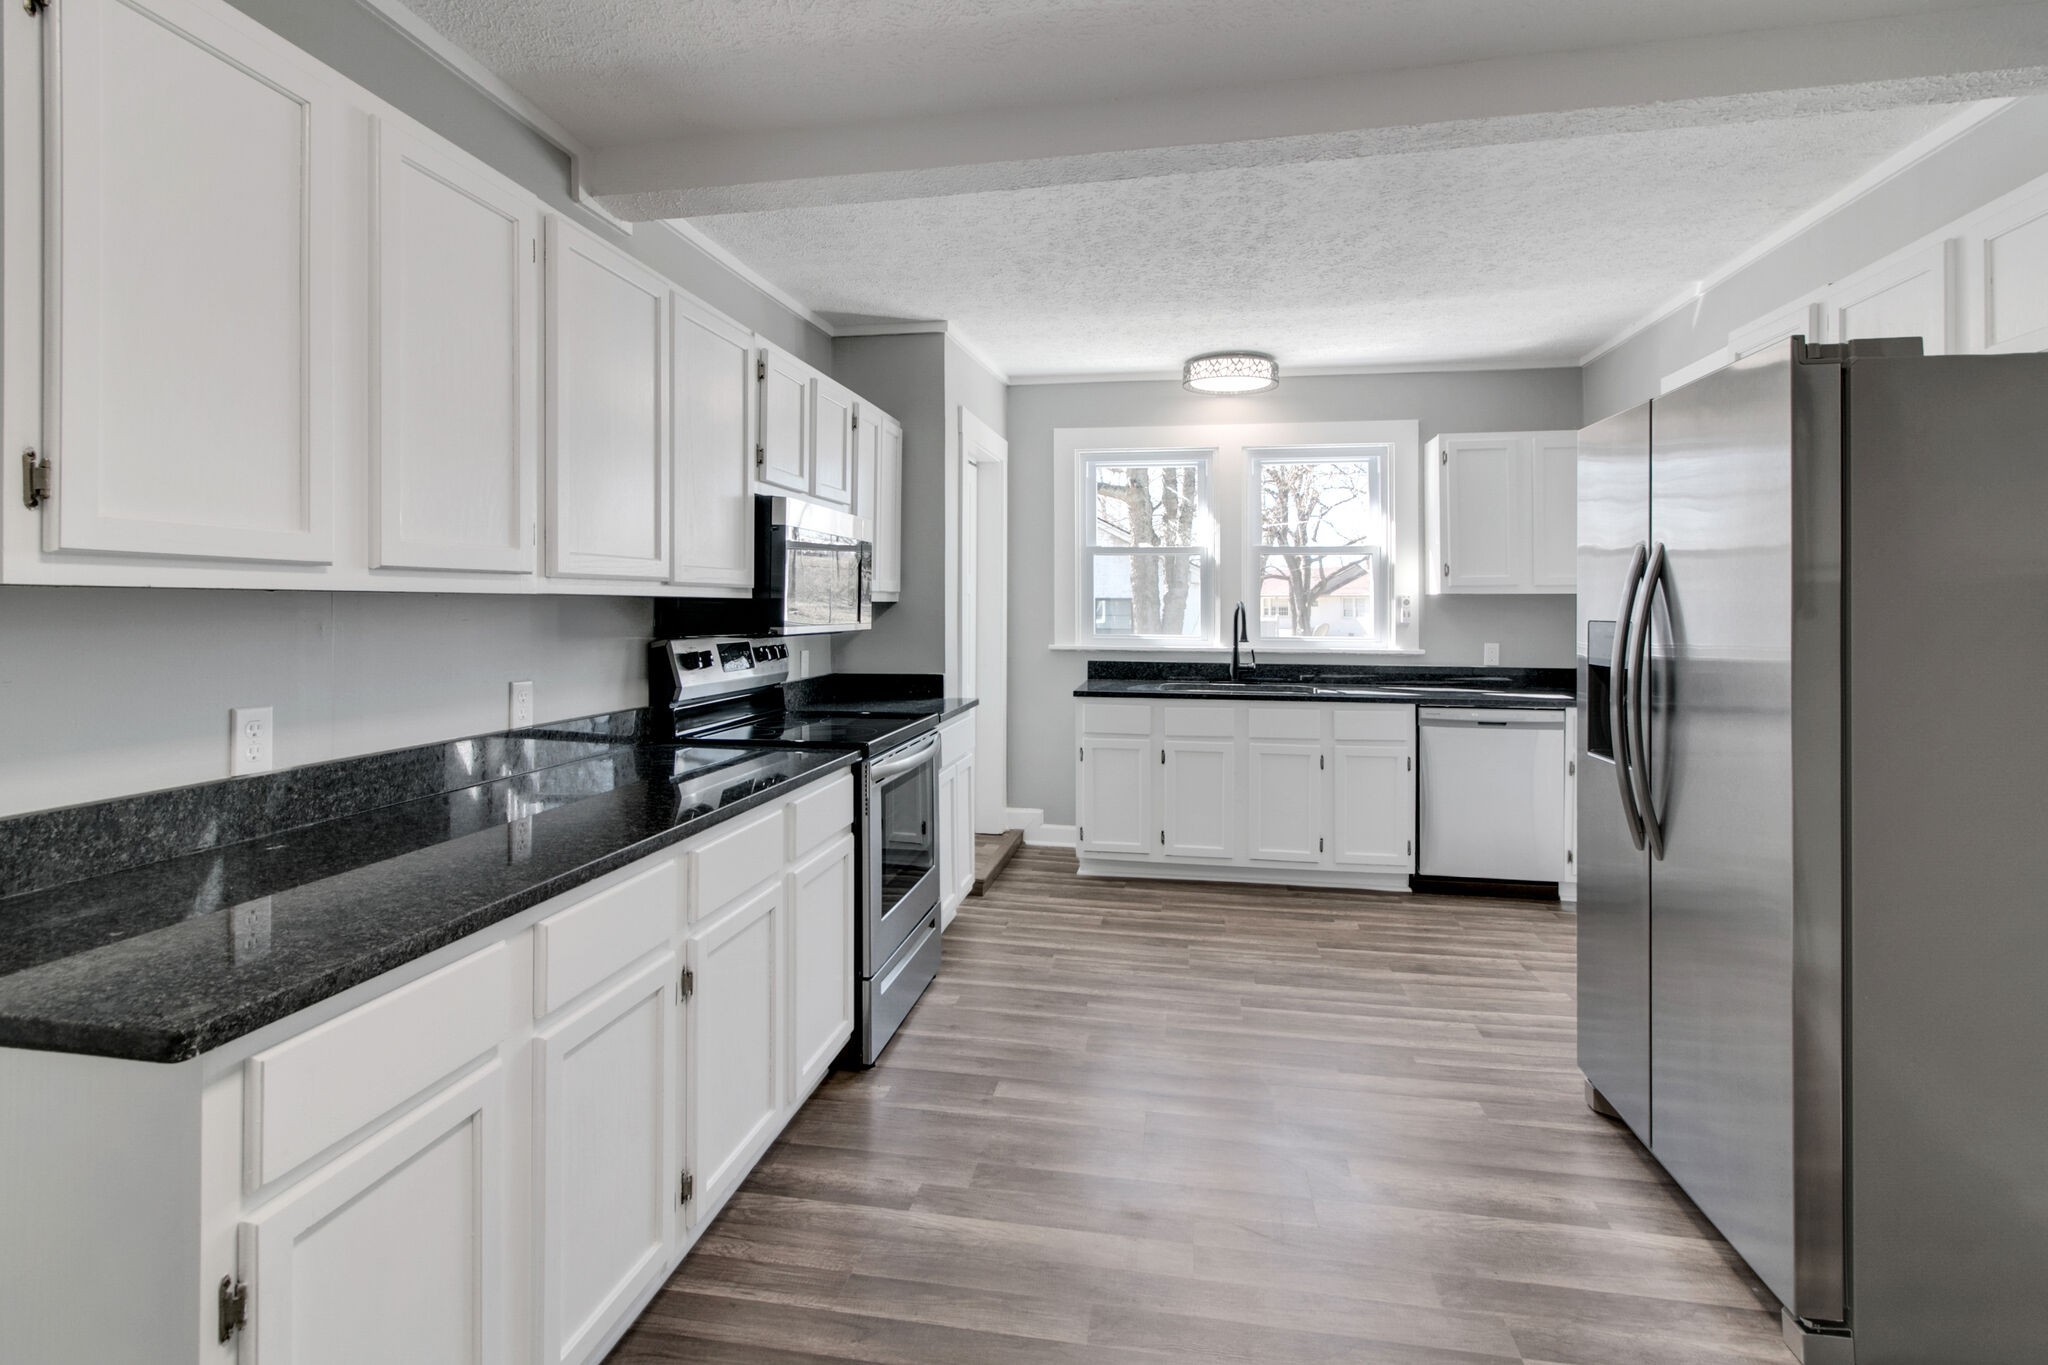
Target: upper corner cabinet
607	433
783	455
1501	512
455	472
192	165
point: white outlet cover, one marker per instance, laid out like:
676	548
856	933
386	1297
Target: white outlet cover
1492	655
521	713
248	740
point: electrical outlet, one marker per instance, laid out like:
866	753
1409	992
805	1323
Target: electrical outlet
249	744
249	927
801	664
522	705
1492	655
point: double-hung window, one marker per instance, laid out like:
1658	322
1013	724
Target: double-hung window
1320	546
1148	566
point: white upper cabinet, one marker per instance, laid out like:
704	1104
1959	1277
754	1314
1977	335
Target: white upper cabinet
784	453
834	419
191	161
1554	510
608	440
1482	540
454	470
713	402
2011	263
887	513
1501	512
1905	296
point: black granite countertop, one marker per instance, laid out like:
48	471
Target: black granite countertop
163	960
1497	688
940	709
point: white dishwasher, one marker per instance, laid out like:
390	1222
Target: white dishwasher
1492	794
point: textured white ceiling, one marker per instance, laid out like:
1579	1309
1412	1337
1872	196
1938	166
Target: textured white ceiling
624	71
1529	251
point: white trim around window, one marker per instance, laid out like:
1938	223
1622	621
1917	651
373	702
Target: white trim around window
1230	509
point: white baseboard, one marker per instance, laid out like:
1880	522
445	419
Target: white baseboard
1324	879
1052	836
1026	818
1568	892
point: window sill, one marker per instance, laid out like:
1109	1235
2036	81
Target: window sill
1223	651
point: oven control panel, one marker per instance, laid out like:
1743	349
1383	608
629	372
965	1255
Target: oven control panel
692	669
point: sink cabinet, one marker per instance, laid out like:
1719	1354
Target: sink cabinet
1309	793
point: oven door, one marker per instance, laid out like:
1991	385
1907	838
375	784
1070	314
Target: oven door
903	848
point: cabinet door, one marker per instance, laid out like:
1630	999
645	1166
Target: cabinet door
735	1043
1115	805
1198	798
960	824
1373	806
833	414
1554	510
785	439
1287	781
608	454
888	513
867	456
1484	535
392	1251
2011	257
712	399
1905	297
820	964
192	165
454	474
609	1160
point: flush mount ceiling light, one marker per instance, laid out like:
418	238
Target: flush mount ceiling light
1230	372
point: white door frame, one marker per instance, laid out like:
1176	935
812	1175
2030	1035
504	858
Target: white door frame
983	606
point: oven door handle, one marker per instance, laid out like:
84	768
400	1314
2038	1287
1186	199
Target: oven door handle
896	767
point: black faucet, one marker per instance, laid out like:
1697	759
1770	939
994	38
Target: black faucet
1241	634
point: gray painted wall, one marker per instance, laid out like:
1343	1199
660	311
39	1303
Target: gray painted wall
1531	631
1994	158
132	687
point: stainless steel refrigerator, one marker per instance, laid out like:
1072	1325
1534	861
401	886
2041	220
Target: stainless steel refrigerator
1813	831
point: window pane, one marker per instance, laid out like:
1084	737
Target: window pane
1156	504
1146	594
1318	595
1325	500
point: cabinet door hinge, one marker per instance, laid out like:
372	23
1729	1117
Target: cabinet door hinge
760	457
761	369
1447	457
686	984
1081	834
37	7
856	419
234	1306
686	1188
1084	755
1447	568
1162	755
1568	856
1319	845
1571	769
35	479
1162	838
1411	848
1410	760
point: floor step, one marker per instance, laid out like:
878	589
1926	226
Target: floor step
992	853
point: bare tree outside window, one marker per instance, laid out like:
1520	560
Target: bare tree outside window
1146	553
1322	534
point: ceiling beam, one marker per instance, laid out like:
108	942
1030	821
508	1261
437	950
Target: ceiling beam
1955	56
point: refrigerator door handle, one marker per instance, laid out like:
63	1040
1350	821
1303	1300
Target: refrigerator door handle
1618	689
1638	729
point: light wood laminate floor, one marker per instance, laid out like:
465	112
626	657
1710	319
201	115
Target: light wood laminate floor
1140	1122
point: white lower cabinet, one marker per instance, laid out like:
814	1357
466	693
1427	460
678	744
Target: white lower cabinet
821	902
1286	810
956	816
734	1072
607	1086
1308	793
493	1157
391	1252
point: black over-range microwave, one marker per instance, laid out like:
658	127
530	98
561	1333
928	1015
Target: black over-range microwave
813	575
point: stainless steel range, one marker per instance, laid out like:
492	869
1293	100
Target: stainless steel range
727	693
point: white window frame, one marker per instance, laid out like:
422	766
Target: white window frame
1203	545
1227	493
1381	554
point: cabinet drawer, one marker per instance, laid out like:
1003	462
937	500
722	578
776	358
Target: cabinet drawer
308	1093
1286	722
1395	724
817	815
956	739
1115	718
1199	722
741	857
581	946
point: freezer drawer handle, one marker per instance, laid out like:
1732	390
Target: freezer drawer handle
1638	745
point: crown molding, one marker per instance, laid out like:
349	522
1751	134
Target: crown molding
1884	172
718	252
